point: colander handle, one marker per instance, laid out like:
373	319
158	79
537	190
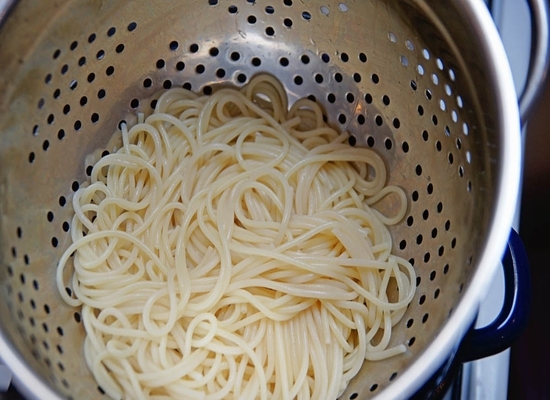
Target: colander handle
538	59
509	324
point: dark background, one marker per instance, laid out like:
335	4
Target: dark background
529	376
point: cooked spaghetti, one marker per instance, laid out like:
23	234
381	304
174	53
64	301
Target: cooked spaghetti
230	249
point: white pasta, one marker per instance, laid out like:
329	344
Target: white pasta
229	250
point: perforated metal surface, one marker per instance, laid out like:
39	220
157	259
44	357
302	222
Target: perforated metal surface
387	73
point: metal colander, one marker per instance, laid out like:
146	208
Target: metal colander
418	81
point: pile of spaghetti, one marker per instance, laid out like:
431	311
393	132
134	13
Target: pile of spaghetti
230	249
